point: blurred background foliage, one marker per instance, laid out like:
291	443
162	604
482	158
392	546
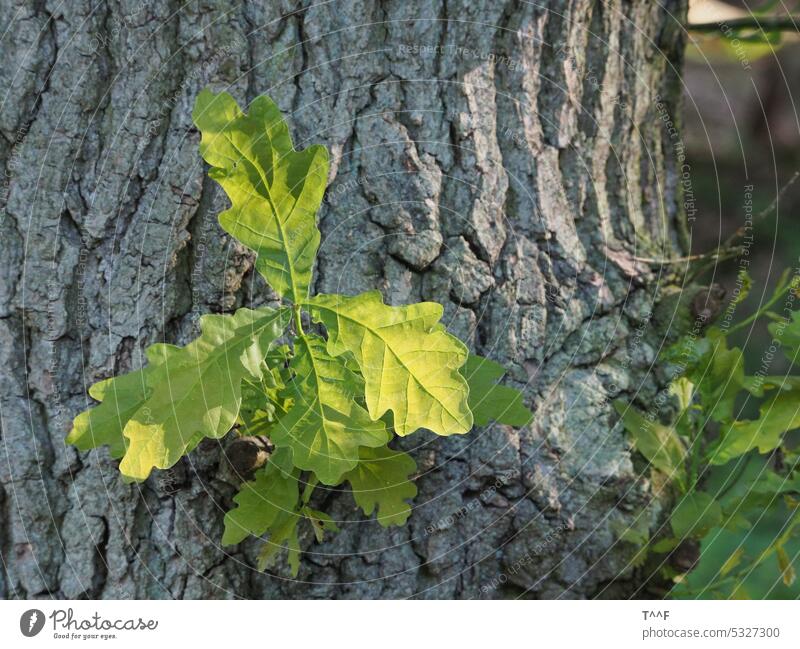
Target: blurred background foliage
742	128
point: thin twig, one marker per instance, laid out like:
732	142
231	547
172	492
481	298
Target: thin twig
727	245
676	260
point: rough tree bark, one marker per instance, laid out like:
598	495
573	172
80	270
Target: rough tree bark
509	159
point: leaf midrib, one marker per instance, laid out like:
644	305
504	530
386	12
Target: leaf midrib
394	353
283	240
211	360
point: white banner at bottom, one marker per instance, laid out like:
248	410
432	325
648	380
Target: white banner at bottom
386	625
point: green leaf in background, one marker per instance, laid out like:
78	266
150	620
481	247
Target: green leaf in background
410	366
196	390
788	335
777	416
695	514
760	489
381	481
719	380
325	426
274	190
489	401
264	504
659	444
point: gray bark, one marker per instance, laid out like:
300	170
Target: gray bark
508	159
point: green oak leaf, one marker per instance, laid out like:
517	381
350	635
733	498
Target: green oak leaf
329	403
264	504
381	481
274	190
659	444
777	416
283	535
695	514
410	366
489	401
325	426
720	379
196	390
120	398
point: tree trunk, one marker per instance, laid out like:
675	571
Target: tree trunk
511	160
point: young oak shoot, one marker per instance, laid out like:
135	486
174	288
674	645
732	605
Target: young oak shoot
330	400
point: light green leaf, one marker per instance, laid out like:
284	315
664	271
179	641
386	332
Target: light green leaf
264	504
695	515
381	481
410	365
777	416
489	401
683	390
659	444
274	190
325	426
196	390
745	283
120	398
759	385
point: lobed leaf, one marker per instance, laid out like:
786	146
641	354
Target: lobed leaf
777	416
719	380
381	481
283	535
264	504
659	444
120	397
196	390
410	366
274	190
788	335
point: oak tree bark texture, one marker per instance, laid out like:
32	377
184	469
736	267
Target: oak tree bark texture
509	159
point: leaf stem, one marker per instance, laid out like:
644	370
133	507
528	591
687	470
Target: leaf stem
298	320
